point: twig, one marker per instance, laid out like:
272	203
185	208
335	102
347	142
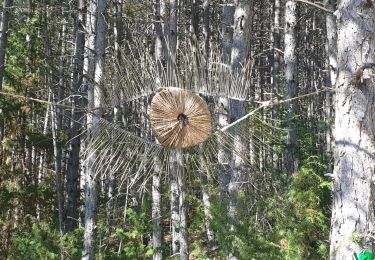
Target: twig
43	101
316	5
271	103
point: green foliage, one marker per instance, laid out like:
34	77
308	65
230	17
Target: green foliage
303	221
134	238
43	241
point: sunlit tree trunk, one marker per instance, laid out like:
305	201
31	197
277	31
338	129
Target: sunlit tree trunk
352	223
239	55
291	84
331	49
157	232
94	96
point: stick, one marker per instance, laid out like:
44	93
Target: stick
271	103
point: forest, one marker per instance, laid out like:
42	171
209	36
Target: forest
187	129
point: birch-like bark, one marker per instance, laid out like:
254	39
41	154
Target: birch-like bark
179	227
331	49
206	203
73	174
239	55
94	96
352	223
178	208
291	84
157	232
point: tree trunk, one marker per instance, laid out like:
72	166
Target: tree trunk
352	223
331	49
227	30
206	27
239	55
178	206
291	84
157	231
3	44
73	175
206	203
94	96
4	37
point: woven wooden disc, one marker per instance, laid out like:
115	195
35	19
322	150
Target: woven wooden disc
179	118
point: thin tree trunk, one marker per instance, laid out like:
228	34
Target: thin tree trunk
157	231
206	27
56	128
94	96
3	44
227	30
331	49
352	223
291	84
4	37
73	174
178	206
206	204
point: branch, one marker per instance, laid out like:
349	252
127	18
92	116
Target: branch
316	5
272	103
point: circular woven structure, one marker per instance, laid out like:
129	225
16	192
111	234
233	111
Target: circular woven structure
179	118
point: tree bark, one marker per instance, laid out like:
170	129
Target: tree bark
157	231
227	30
352	223
206	27
73	174
178	206
291	84
4	37
94	98
239	55
331	49
3	44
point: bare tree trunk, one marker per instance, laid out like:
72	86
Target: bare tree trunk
56	128
172	39
4	37
222	105
206	204
206	27
73	174
179	228
157	231
227	30
3	44
178	206
94	96
352	223
291	84
239	55
277	46
331	49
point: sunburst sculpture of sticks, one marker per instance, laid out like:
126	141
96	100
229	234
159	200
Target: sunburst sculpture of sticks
179	117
